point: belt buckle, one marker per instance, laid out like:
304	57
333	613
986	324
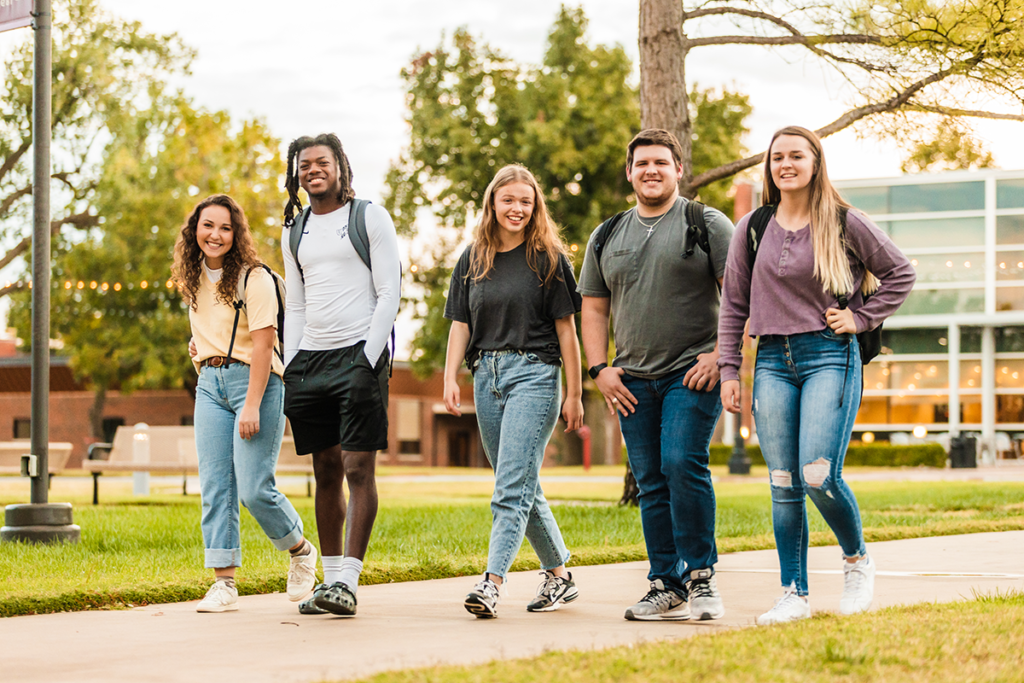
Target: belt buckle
216	361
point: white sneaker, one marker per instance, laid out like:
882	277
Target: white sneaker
858	585
302	575
219	598
790	607
705	601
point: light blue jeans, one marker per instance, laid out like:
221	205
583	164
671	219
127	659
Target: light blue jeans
234	470
806	396
518	397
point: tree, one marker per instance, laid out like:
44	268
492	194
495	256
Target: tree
105	71
947	147
121	323
900	57
473	110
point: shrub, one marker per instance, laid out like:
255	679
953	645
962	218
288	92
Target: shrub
866	455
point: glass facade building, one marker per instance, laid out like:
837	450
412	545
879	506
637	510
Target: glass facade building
953	356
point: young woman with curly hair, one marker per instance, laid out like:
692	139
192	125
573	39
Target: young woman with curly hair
511	302
239	397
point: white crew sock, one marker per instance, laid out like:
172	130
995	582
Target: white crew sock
350	570
332	565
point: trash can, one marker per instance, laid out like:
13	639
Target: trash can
963	451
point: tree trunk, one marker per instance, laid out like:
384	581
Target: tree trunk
664	102
99	400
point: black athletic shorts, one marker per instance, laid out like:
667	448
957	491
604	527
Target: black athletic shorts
334	397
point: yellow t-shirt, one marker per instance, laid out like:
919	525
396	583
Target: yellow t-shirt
212	319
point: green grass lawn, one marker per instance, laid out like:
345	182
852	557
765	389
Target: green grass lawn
137	551
975	640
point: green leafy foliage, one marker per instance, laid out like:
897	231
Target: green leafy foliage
472	110
866	455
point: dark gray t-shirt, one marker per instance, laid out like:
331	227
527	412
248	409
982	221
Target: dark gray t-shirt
511	308
664	307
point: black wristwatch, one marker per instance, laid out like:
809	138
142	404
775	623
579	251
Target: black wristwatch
596	370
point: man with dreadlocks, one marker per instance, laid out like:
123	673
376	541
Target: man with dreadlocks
340	315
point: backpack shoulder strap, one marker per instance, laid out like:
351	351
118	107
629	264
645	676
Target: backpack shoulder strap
604	232
756	226
295	236
357	230
697	234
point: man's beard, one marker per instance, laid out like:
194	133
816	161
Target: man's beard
656	201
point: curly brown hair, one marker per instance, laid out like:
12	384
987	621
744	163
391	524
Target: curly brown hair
188	257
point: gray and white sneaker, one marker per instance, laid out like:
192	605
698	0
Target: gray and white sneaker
858	585
553	592
301	574
483	600
659	604
705	602
219	598
790	607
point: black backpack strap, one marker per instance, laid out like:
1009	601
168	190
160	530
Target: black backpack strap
756	226
295	236
238	304
697	235
604	232
357	230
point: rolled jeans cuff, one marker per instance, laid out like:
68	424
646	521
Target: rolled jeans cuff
221	558
289	540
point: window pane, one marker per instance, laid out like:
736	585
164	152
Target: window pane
916	409
873	410
946	232
932	301
937	197
1009	265
922	340
1010	298
1009	374
868	199
970	340
1010	194
1009	339
910	376
1009	229
1009	408
950	267
970	374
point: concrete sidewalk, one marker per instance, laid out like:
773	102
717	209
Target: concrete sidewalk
418	624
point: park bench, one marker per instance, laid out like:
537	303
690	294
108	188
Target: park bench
172	450
11	451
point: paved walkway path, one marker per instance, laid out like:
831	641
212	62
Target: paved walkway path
417	624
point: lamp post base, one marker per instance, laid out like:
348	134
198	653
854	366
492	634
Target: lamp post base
739	461
40	523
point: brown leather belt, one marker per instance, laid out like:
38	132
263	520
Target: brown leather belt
217	362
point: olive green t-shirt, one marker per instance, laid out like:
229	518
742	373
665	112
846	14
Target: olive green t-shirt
664	307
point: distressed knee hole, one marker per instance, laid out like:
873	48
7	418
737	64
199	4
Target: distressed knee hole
782	479
815	473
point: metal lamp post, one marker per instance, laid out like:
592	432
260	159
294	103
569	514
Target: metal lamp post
739	461
40	521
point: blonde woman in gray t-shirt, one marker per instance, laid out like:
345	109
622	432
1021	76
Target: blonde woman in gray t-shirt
512	303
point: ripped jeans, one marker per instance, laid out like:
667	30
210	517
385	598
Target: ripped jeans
806	395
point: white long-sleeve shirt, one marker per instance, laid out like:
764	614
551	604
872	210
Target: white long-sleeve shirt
335	301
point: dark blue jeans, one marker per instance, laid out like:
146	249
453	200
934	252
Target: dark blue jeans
806	396
667	441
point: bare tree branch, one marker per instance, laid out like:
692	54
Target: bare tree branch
772	19
898	101
798	39
81	221
9	200
13	287
16	251
12	160
971	113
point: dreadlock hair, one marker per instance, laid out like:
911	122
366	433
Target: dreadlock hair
541	233
291	181
831	255
188	257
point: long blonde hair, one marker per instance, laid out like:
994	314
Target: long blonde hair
831	254
540	234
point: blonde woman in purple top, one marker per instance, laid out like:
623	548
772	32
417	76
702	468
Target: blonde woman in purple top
807	381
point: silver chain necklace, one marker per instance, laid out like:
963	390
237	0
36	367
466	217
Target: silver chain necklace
650	228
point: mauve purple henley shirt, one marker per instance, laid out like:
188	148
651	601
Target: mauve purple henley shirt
784	297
